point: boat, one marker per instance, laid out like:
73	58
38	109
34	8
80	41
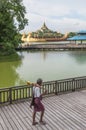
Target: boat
44	34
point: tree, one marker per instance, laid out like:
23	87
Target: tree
12	20
71	34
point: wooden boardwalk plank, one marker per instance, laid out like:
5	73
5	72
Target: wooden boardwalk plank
9	118
2	124
60	116
63	112
4	118
18	111
66	116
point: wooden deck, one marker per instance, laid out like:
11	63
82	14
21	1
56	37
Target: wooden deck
63	112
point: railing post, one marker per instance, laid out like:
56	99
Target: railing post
0	98
10	95
73	83
56	85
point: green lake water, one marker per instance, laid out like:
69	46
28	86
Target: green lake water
48	65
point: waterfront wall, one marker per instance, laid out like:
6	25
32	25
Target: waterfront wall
54	46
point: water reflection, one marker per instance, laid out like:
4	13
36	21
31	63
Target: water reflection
8	75
49	65
79	56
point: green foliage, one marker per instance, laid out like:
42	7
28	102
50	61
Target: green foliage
45	34
10	58
12	20
7	49
71	34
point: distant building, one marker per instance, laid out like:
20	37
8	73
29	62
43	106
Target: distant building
80	36
44	34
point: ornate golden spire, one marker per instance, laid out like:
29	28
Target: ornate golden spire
44	27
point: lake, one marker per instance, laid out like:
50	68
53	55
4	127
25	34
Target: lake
48	65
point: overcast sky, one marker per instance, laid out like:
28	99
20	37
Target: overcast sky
59	15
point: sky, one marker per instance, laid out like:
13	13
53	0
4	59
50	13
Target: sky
59	15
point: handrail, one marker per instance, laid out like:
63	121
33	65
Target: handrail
17	93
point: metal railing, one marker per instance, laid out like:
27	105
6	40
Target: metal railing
9	95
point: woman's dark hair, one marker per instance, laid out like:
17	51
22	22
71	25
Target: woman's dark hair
39	81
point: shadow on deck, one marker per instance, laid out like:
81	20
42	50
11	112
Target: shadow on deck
63	112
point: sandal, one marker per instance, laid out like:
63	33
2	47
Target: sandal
34	123
42	123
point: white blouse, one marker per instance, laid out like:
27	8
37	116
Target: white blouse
36	91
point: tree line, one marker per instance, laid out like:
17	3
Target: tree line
12	21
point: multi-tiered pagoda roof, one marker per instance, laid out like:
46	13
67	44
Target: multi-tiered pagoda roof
45	32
